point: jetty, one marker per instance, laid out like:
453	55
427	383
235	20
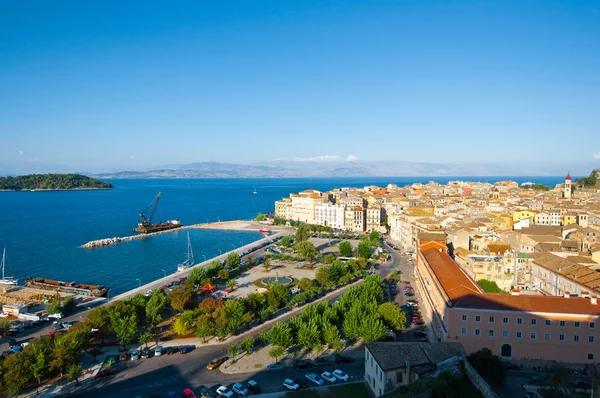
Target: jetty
237	225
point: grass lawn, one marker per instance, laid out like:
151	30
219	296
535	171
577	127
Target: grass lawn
354	390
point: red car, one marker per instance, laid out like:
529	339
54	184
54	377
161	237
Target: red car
187	393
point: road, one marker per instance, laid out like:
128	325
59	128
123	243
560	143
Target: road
44	329
175	372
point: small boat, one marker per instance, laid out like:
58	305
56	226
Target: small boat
255	191
190	257
6	280
265	231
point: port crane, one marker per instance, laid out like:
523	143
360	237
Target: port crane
147	214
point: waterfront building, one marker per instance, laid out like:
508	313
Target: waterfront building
330	215
304	204
355	219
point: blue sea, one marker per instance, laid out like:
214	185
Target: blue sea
43	231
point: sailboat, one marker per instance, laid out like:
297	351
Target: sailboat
190	257
255	191
6	280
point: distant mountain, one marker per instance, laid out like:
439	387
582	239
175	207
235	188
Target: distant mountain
318	169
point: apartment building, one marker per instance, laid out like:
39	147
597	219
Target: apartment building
374	217
304	204
330	215
355	219
283	209
516	326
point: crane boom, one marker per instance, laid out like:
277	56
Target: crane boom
150	210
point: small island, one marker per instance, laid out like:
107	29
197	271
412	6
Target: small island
34	182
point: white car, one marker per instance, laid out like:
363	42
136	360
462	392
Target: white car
135	355
340	375
239	389
290	384
158	351
58	315
329	377
224	392
66	325
315	379
411	304
3	315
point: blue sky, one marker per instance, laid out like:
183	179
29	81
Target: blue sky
122	85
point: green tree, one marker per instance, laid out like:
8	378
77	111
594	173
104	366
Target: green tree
75	372
372	328
233	260
393	316
213	269
374	238
267	265
184	324
223	274
234	349
235	314
145	338
69	304
278	295
345	248
154	307
232	284
364	250
286	241
205	326
488	366
53	308
352	324
307	250
306	284
4	327
260	217
38	367
301	233
62	357
99	318
489	286
196	276
308	335
181	299
123	320
330	333
276	352
248	344
17	373
281	335
329	259
322	276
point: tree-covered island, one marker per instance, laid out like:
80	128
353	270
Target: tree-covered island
51	182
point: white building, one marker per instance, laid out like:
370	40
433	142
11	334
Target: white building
330	215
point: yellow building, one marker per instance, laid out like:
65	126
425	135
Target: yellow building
569	218
519	215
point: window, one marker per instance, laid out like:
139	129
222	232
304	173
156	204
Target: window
477	318
505	334
591	357
505	319
492	319
561	337
491	333
398	377
547	336
577	324
519	321
533	322
463	331
591	339
477	332
519	335
548	322
532	336
464	317
562	323
576	338
592	325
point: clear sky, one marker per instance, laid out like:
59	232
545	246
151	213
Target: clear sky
124	84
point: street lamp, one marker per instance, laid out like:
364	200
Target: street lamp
204	255
165	273
140	281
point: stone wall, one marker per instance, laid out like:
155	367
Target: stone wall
478	381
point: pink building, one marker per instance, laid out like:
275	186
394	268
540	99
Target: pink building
511	325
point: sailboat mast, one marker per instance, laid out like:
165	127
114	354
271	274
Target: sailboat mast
3	255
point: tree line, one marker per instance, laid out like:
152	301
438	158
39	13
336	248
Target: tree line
51	181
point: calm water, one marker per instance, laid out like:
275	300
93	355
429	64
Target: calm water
42	231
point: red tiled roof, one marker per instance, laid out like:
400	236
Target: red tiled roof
465	293
568	177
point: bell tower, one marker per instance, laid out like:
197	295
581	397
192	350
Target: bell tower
567	188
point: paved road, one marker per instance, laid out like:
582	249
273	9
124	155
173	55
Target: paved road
42	331
176	372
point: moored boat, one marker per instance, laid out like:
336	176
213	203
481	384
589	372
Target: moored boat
190	257
6	280
67	287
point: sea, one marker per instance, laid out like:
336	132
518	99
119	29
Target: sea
42	231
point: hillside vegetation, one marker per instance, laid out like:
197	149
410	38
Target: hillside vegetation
590	181
51	181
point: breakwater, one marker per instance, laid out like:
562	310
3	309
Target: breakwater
117	239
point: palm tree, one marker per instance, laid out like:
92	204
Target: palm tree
232	284
266	265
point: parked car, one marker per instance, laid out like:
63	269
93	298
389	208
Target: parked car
239	389
301	383
315	379
208	392
186	348
580	383
187	393
290	385
329	377
215	363
321	361
123	356
303	365
274	368
343	359
342	376
58	315
224	392
253	387
135	355
171	394
158	351
108	371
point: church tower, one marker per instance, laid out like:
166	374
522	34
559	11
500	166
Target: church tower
567	188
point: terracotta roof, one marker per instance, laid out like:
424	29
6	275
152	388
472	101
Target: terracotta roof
432	236
498	248
465	293
390	356
568	177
